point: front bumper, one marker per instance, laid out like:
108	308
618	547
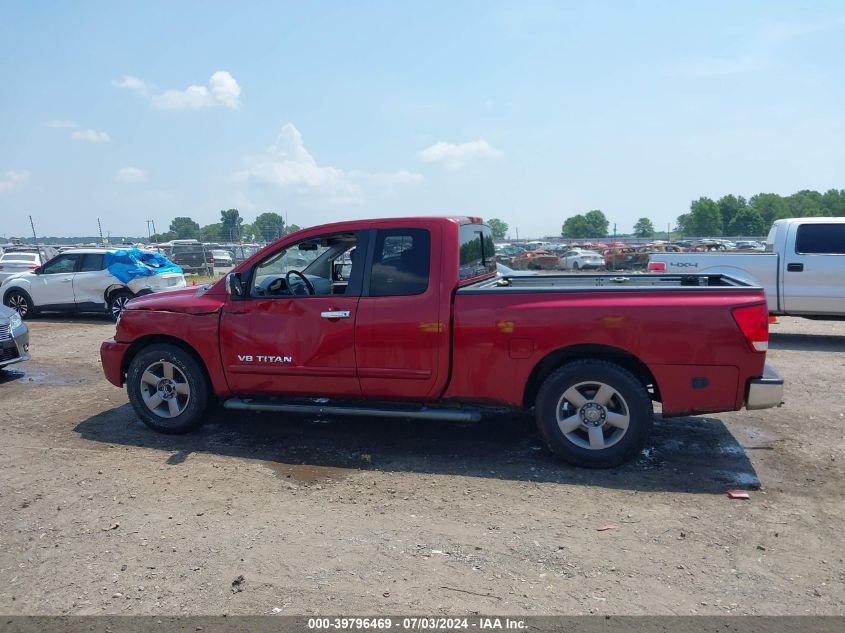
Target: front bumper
15	349
765	392
111	354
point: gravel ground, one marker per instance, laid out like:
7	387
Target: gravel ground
260	514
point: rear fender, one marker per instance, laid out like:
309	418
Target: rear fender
111	290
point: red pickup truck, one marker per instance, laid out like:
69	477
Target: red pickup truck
408	317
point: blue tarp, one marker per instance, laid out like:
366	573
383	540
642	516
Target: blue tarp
133	263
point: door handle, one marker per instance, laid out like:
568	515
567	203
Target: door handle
66	281
795	268
336	314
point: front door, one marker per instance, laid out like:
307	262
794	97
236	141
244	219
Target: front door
52	287
813	272
294	332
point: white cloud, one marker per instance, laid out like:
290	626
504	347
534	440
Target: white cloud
13	180
130	176
90	136
61	123
289	165
222	90
454	156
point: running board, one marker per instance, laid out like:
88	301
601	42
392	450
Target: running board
420	413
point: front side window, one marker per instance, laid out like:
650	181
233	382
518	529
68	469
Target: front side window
820	239
317	266
61	264
401	259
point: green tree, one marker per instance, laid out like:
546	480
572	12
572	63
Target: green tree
598	223
293	228
577	227
805	204
500	228
247	231
703	219
269	226
644	228
163	237
770	206
747	222
212	233
834	202
185	228
729	206
231	222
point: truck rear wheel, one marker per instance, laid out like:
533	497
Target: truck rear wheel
167	388
594	414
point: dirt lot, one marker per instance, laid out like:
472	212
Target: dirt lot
100	515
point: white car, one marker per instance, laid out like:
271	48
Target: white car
580	259
14	262
222	258
79	281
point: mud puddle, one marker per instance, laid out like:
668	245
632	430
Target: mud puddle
309	473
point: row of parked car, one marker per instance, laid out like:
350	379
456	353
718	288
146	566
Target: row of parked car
82	280
607	256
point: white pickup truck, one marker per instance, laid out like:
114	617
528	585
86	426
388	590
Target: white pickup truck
802	270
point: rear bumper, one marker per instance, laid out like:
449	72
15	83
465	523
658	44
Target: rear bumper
111	354
765	392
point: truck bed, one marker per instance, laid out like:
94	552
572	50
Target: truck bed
608	282
678	328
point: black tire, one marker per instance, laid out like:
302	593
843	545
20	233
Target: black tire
117	302
20	302
151	395
575	266
628	403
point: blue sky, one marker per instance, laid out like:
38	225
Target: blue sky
526	111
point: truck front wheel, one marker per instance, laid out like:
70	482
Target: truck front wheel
167	388
594	414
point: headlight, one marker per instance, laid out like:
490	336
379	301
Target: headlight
15	321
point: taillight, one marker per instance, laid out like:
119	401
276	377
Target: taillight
656	267
754	323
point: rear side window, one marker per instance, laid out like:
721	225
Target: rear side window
400	263
91	262
478	253
18	257
827	239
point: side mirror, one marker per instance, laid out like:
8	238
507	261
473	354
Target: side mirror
235	285
37	270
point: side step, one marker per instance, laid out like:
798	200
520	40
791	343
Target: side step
399	411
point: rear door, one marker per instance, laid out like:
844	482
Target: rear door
52	287
814	268
91	281
401	337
